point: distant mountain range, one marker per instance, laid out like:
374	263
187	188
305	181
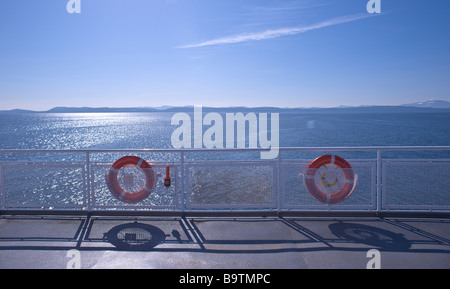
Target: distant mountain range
430	105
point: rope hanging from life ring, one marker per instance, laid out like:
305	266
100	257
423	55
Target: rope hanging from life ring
318	172
118	191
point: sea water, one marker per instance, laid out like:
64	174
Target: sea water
153	130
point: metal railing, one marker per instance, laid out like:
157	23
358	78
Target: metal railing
212	180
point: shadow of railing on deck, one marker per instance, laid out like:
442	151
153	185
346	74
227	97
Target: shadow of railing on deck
220	235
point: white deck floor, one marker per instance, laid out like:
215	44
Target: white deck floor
223	242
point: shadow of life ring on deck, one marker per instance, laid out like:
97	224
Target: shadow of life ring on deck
371	236
349	179
115	188
135	237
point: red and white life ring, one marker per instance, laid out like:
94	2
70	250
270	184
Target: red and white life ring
334	197
118	191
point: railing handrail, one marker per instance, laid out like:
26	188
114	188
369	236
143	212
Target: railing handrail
366	148
356	148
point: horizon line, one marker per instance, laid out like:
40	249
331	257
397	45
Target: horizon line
168	107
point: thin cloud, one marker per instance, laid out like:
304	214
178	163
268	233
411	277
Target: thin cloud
275	33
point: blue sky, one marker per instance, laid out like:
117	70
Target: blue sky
285	53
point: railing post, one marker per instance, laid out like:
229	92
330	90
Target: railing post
2	187
182	193
279	182
88	181
379	185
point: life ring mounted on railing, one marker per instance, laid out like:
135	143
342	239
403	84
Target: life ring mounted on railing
330	179
119	192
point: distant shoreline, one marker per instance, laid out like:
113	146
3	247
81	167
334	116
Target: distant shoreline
443	107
